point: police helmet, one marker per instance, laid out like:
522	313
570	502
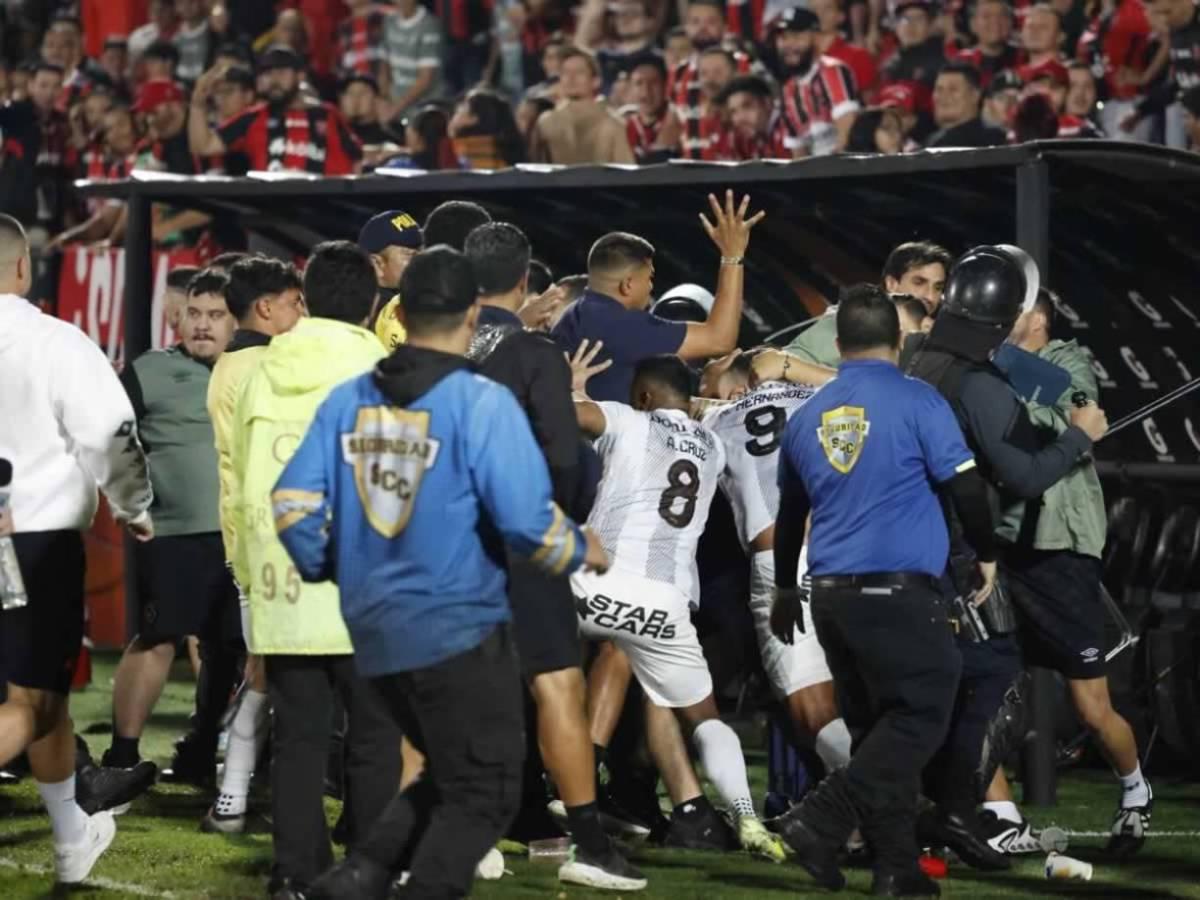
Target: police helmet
992	285
684	303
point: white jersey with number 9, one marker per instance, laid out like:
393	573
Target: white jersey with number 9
660	474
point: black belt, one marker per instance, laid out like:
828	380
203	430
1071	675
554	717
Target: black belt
876	580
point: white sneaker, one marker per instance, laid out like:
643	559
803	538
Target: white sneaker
74	862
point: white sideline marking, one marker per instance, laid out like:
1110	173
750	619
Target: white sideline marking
1149	834
107	883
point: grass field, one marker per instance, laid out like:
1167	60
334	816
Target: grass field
160	852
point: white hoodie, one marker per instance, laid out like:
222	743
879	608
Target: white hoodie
66	425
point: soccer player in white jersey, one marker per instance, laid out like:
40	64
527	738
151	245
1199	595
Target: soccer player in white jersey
660	473
749	426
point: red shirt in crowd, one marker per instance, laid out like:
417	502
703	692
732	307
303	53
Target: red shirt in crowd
989	66
811	103
744	18
1115	40
314	139
772	145
641	134
360	46
861	63
701	130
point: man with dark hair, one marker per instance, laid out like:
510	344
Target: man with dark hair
920	53
424	599
160	61
263	295
68	429
543	608
994	53
915	268
863	456
620	282
174	297
297	627
183	585
452	221
648	106
756	127
957	100
582	130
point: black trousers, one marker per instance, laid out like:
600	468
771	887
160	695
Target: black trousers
302	691
464	714
896	670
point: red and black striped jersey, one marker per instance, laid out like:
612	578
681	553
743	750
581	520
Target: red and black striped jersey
360	43
772	145
701	129
744	18
640	133
313	138
813	101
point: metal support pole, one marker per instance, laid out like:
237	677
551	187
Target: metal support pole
1033	236
139	300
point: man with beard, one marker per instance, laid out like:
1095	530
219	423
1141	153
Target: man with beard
756	129
287	133
820	98
184	586
695	127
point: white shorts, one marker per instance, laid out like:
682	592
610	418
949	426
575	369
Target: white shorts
789	669
651	621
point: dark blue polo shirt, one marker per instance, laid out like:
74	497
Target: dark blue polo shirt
629	335
868	449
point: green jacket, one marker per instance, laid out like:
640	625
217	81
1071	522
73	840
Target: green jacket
816	343
1071	515
277	402
168	389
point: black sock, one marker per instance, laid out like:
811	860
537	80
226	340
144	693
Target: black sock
586	832
124	753
691	808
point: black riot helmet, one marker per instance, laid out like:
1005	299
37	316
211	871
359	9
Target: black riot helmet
991	285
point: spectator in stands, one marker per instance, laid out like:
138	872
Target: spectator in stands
1117	44
193	39
616	34
360	44
876	130
65	36
45	138
820	99
1001	99
831	19
234	92
994	52
582	130
677	48
163	105
467	28
1051	79
956	107
288	132
1191	116
358	102
114	61
485	133
163	24
427	140
920	54
647	108
1034	120
756	127
1041	34
1081	93
903	99
160	62
413	47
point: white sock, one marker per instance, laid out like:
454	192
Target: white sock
833	745
67	820
1004	809
1135	791
721	755
246	734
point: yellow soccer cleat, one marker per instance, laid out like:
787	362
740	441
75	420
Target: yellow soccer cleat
755	839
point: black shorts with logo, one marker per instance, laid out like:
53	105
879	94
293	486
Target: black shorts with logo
184	588
1061	615
545	624
39	643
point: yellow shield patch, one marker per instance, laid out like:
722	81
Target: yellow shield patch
390	450
842	434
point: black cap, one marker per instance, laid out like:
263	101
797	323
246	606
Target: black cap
990	285
438	281
280	56
366	78
1006	80
796	18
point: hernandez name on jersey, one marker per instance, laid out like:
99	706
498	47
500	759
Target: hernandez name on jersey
750	430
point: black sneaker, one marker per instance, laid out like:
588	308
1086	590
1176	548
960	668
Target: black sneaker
609	871
904	884
355	878
1129	828
964	836
816	857
620	820
1009	838
105	787
703	829
194	762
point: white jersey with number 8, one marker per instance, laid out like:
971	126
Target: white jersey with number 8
660	474
750	430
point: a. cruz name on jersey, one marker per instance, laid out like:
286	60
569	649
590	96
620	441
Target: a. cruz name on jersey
606	612
687	438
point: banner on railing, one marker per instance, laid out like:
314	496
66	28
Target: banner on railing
91	292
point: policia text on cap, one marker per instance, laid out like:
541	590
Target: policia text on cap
863	456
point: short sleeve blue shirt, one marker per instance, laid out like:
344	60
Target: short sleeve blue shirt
629	335
869	448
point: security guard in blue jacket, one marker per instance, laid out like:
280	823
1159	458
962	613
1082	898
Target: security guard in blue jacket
863	456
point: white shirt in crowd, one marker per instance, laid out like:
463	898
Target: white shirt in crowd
66	425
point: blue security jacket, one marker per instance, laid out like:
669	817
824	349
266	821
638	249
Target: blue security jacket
390	493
